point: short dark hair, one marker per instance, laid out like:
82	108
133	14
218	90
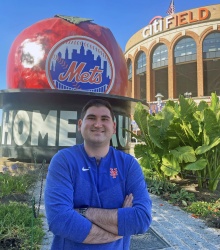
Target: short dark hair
97	103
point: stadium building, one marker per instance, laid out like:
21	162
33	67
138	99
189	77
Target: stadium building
176	55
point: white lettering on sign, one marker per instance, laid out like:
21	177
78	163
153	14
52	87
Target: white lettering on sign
58	126
174	21
7	127
44	127
21	127
122	140
66	128
114	138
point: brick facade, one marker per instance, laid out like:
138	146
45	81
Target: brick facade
188	23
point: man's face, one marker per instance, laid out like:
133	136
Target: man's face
97	126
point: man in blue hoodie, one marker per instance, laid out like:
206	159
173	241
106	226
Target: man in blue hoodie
96	196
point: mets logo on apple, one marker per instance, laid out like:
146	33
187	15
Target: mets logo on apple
80	63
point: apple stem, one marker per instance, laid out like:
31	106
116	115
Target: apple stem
74	19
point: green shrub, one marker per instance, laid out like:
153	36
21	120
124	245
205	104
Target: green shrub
18	225
182	196
15	184
205	209
19	229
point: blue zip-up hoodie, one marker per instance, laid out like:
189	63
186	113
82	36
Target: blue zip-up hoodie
74	180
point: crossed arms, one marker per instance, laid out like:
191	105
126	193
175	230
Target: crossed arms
104	223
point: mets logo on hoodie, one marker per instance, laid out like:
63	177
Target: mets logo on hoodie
80	63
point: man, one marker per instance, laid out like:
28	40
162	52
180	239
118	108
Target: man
95	195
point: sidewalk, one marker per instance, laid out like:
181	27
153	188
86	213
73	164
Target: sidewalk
179	229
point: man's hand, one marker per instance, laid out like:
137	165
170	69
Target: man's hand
107	219
128	200
98	235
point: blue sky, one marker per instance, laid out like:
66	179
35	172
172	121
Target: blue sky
123	18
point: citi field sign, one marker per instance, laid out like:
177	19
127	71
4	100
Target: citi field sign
159	24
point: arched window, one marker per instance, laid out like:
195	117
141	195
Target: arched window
186	66
185	50
141	63
160	57
129	70
211	46
211	63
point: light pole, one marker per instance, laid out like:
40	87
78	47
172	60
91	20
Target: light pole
187	94
159	97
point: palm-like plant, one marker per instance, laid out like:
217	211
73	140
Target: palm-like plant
182	137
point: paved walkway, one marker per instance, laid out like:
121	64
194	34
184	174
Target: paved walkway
178	228
181	230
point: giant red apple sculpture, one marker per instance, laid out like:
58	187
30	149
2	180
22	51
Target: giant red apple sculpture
67	53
